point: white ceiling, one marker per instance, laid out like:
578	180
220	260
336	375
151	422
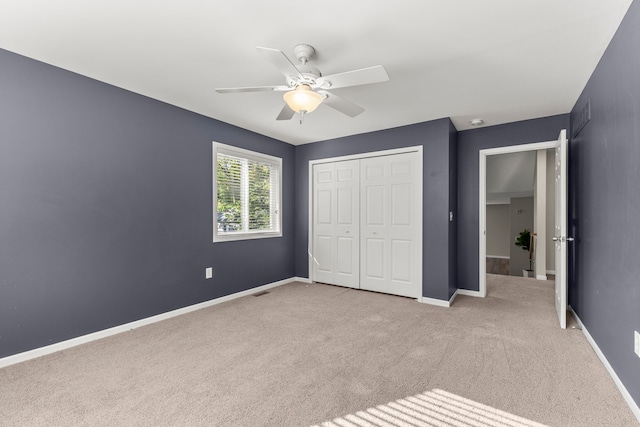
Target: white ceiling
500	60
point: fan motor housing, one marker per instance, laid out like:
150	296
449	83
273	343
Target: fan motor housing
304	52
310	75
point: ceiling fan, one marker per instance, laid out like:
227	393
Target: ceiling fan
306	88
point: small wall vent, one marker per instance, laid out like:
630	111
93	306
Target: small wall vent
259	294
580	119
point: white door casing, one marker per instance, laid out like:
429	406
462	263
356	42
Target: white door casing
560	237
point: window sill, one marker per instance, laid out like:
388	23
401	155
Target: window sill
245	236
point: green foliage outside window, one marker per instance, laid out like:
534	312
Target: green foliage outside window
229	194
259	196
234	178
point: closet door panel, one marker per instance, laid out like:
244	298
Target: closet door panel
336	223
389	218
323	219
347	227
401	261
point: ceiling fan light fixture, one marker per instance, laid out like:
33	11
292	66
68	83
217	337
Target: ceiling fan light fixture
303	98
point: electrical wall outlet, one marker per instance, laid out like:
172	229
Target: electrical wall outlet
636	342
208	273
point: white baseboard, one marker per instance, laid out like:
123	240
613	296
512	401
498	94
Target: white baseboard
453	297
551	272
498	256
302	279
623	390
469	293
63	345
439	302
540	277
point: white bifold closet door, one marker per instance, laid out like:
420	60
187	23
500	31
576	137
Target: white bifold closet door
336	223
365	218
390	256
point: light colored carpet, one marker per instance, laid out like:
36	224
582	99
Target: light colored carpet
310	354
433	408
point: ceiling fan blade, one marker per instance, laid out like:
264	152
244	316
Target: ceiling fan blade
280	60
341	104
364	76
252	89
286	113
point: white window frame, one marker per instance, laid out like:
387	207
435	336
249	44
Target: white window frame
276	216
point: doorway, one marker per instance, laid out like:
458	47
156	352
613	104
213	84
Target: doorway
484	154
365	228
559	237
520	205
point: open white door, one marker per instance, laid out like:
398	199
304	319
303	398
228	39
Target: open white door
560	238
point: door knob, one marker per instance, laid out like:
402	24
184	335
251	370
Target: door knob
562	239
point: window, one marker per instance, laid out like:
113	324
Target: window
247	191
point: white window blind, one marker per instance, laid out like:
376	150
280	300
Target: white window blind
247	194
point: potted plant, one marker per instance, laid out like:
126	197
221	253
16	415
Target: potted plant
525	241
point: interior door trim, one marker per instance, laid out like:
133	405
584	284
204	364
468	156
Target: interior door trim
412	149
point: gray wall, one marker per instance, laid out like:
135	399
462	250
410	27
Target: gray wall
106	208
498	227
438	143
470	142
520	217
604	202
